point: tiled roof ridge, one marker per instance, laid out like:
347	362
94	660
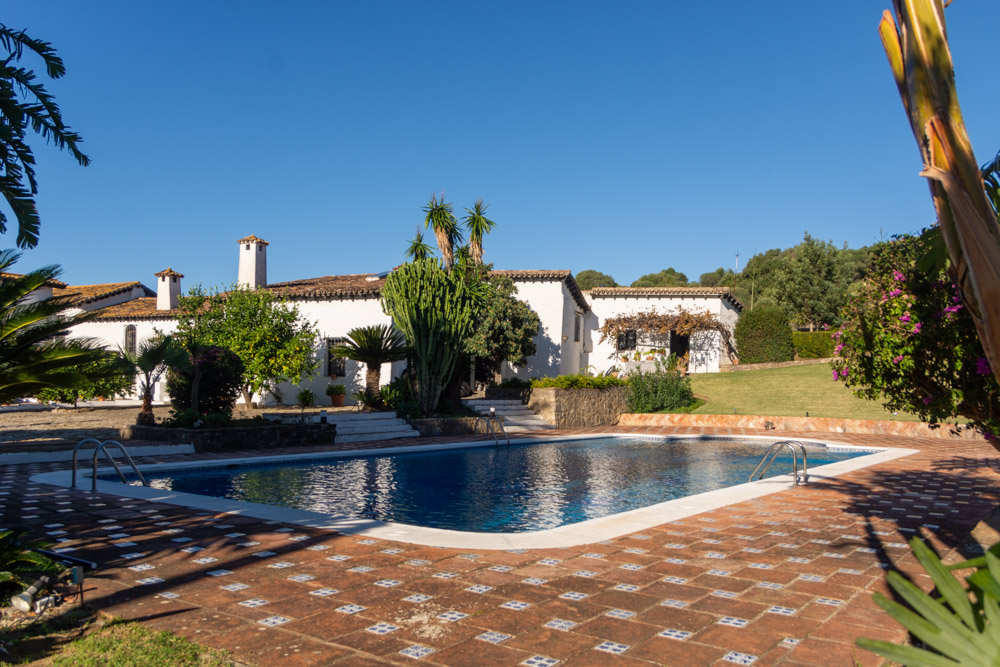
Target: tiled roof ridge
51	282
98	291
143	308
253	239
168	272
724	292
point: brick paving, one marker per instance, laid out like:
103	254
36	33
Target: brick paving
783	579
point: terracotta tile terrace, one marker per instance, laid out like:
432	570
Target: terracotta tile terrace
783	579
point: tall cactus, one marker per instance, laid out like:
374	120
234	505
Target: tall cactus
434	310
920	60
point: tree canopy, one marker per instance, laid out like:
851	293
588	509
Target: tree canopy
589	279
269	336
504	327
666	278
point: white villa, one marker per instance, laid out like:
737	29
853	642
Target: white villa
568	341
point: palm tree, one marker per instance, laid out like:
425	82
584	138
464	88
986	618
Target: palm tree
25	103
418	249
373	346
35	352
150	361
478	224
445	225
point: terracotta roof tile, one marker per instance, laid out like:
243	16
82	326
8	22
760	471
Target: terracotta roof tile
80	294
354	285
253	239
136	309
51	283
722	292
168	272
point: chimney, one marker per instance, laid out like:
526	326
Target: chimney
253	262
168	288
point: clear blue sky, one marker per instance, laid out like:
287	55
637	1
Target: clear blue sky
624	137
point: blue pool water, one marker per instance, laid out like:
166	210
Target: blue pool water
515	488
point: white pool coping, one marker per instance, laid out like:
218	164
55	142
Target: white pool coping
576	534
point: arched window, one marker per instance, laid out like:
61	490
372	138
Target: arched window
130	338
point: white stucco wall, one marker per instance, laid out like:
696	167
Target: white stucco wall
111	335
333	319
546	298
706	351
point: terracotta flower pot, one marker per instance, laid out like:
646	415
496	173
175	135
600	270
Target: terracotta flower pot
337	400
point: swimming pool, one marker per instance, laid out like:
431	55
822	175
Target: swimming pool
577	490
516	488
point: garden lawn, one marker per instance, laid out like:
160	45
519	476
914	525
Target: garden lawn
785	392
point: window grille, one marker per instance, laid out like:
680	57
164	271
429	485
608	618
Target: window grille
130	338
577	326
627	340
335	366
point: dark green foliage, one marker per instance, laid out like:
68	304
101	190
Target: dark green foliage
35	353
305	398
590	279
504	327
579	381
19	565
515	383
149	362
24	104
336	390
107	377
719	278
220	377
660	389
763	335
955	627
434	309
188	418
665	278
813	344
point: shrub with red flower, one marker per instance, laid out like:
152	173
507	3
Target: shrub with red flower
907	341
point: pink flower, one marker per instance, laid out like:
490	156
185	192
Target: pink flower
916	327
983	366
835	376
838	348
843	373
928	399
897	359
895	292
904	318
897	275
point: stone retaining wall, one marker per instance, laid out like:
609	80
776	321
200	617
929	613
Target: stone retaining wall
820	424
571	408
444	425
230	439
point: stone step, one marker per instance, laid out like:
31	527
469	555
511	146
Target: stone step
399	425
521	428
473	402
505	411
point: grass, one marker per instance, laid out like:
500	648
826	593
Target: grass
77	638
785	392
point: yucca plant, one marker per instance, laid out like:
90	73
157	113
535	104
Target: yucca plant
961	627
478	225
441	219
19	565
916	43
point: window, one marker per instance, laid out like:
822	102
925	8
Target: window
577	326
130	338
335	366
627	340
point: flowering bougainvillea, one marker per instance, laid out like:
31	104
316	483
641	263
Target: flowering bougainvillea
908	341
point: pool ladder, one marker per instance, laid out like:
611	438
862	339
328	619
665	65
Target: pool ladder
103	447
489	420
772	453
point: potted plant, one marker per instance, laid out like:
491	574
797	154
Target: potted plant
336	392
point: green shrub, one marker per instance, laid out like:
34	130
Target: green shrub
515	383
763	335
336	390
578	381
221	377
305	398
660	389
813	344
190	418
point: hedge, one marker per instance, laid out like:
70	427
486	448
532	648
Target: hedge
763	335
813	344
578	382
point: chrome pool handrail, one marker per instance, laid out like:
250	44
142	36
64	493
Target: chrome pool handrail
103	448
772	453
488	421
76	451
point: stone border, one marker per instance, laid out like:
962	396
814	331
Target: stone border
819	424
732	368
267	436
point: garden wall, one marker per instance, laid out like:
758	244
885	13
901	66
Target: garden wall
569	408
445	425
231	439
818	424
773	364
